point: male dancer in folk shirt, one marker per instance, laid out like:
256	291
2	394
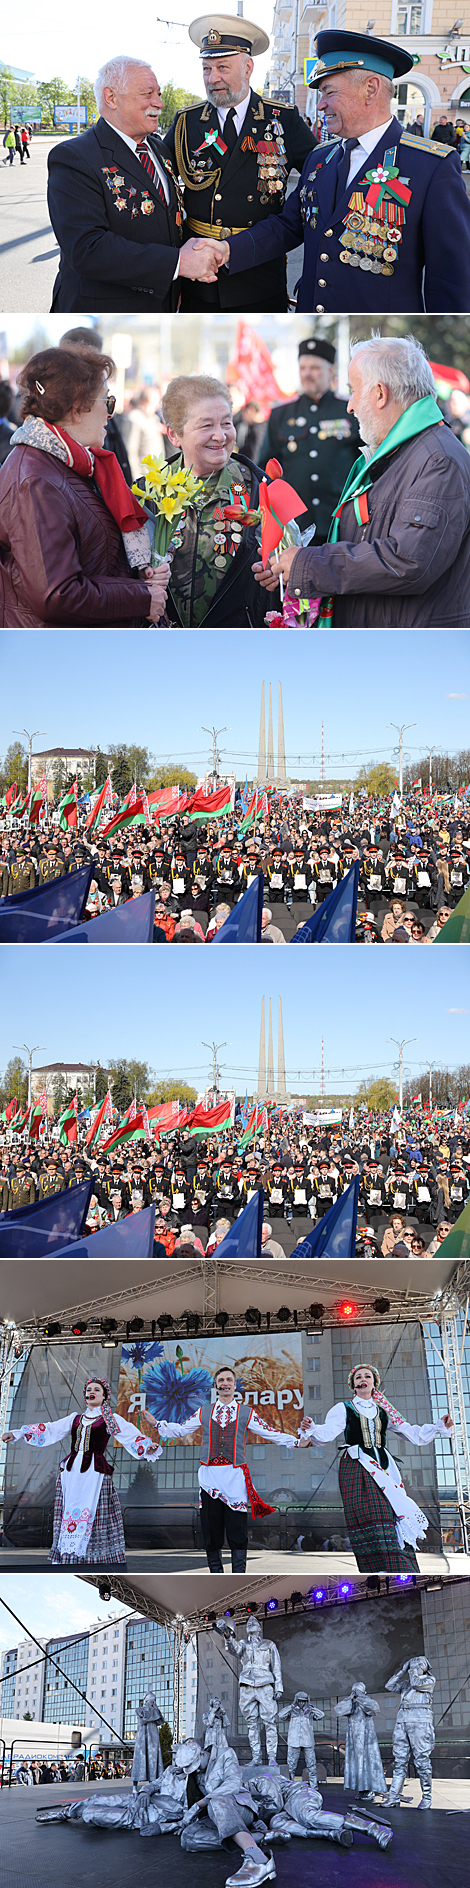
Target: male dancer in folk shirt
226	1487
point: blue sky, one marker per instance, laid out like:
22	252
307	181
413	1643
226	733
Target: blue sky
49	1606
161	1005
160	691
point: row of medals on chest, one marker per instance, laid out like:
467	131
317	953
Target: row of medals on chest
226	529
369	245
272	170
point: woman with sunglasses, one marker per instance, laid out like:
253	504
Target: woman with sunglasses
74	542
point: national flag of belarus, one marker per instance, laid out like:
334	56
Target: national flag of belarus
68	1131
35	806
103	1114
414	784
36	1121
103	798
68	817
131	813
207	806
205	1121
251	811
416	1101
11	1110
11	794
165	1117
251	1126
131	1128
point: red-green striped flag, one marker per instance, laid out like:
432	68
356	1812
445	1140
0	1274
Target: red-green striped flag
205	1121
129	814
68	1130
208	806
131	1128
103	1115
103	798
251	1126
68	817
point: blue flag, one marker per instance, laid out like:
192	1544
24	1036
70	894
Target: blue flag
335	920
244	1239
244	1111
130	1238
33	917
335	1235
244	796
32	1232
126	924
244	924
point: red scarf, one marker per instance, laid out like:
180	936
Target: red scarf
104	468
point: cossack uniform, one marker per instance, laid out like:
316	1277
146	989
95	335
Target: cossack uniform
316	442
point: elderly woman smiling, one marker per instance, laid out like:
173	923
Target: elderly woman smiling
74	542
212	581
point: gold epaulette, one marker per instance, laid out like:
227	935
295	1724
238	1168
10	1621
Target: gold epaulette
426	144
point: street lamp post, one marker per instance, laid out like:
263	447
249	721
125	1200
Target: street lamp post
214	1049
30	1053
401	1046
401	731
30	738
216	752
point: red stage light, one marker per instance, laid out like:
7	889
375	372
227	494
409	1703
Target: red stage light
347	1309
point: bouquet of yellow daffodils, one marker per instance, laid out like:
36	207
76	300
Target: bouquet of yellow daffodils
169	492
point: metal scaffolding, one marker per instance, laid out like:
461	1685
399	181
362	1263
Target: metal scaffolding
451	1358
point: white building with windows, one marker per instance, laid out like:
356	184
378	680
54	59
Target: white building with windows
440	46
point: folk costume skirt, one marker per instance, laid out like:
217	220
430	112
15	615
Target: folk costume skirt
106	1543
371	1523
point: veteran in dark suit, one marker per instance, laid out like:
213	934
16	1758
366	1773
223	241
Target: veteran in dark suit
234	155
314	438
384	217
116	207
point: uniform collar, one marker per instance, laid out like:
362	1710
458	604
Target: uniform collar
369	140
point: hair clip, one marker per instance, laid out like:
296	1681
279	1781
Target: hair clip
39	389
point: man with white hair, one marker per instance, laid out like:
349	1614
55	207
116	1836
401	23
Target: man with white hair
375	200
398	552
115	205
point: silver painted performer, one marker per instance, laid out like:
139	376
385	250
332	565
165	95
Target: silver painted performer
259	1685
300	1736
363	1768
414	1728
147	1763
295	1808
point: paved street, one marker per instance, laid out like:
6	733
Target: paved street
28	249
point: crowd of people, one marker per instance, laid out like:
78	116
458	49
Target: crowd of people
414	857
38	1770
414	1175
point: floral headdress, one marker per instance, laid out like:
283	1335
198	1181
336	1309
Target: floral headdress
375	1374
106	1412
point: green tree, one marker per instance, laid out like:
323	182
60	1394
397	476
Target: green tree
27	95
101	1081
379	1094
129	763
175	99
87	97
381	779
101	767
7	93
27	1718
129	1078
14	1083
172	1091
15	767
173	775
52	92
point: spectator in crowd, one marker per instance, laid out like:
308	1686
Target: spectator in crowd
443	131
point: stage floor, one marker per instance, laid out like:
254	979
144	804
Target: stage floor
427	1850
172	1560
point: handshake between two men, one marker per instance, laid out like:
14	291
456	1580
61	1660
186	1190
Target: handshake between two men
201	258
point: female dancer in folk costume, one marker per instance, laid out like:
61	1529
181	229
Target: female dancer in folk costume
384	1523
87	1513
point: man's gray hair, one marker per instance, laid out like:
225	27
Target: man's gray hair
400	362
115	74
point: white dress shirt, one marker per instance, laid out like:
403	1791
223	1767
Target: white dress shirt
225	1482
367	144
239	115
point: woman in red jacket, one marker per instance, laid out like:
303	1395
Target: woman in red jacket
74	543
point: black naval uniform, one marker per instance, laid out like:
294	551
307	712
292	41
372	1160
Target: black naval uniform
316	442
247	182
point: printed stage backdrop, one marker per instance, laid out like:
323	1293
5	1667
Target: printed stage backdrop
170	1380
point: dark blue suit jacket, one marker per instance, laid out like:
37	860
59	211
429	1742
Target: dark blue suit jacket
432	270
114	253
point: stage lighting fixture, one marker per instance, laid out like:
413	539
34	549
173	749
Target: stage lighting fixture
403	1577
252	1606
272	1605
163	1320
373	1583
108	1325
78	1329
229	1612
382	1305
192	1320
109	1343
137	1324
345	1588
253	1316
319	1593
52	1330
105	1592
221	1319
283	1315
316	1312
295	1600
347	1309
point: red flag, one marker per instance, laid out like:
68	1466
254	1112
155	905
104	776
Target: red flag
11	794
278	505
11	1110
251	374
42	1101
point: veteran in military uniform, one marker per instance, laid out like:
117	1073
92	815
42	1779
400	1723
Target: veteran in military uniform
234	155
384	216
318	430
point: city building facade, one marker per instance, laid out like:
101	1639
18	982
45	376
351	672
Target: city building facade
440	47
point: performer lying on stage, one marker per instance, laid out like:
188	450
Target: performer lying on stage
87	1514
384	1523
